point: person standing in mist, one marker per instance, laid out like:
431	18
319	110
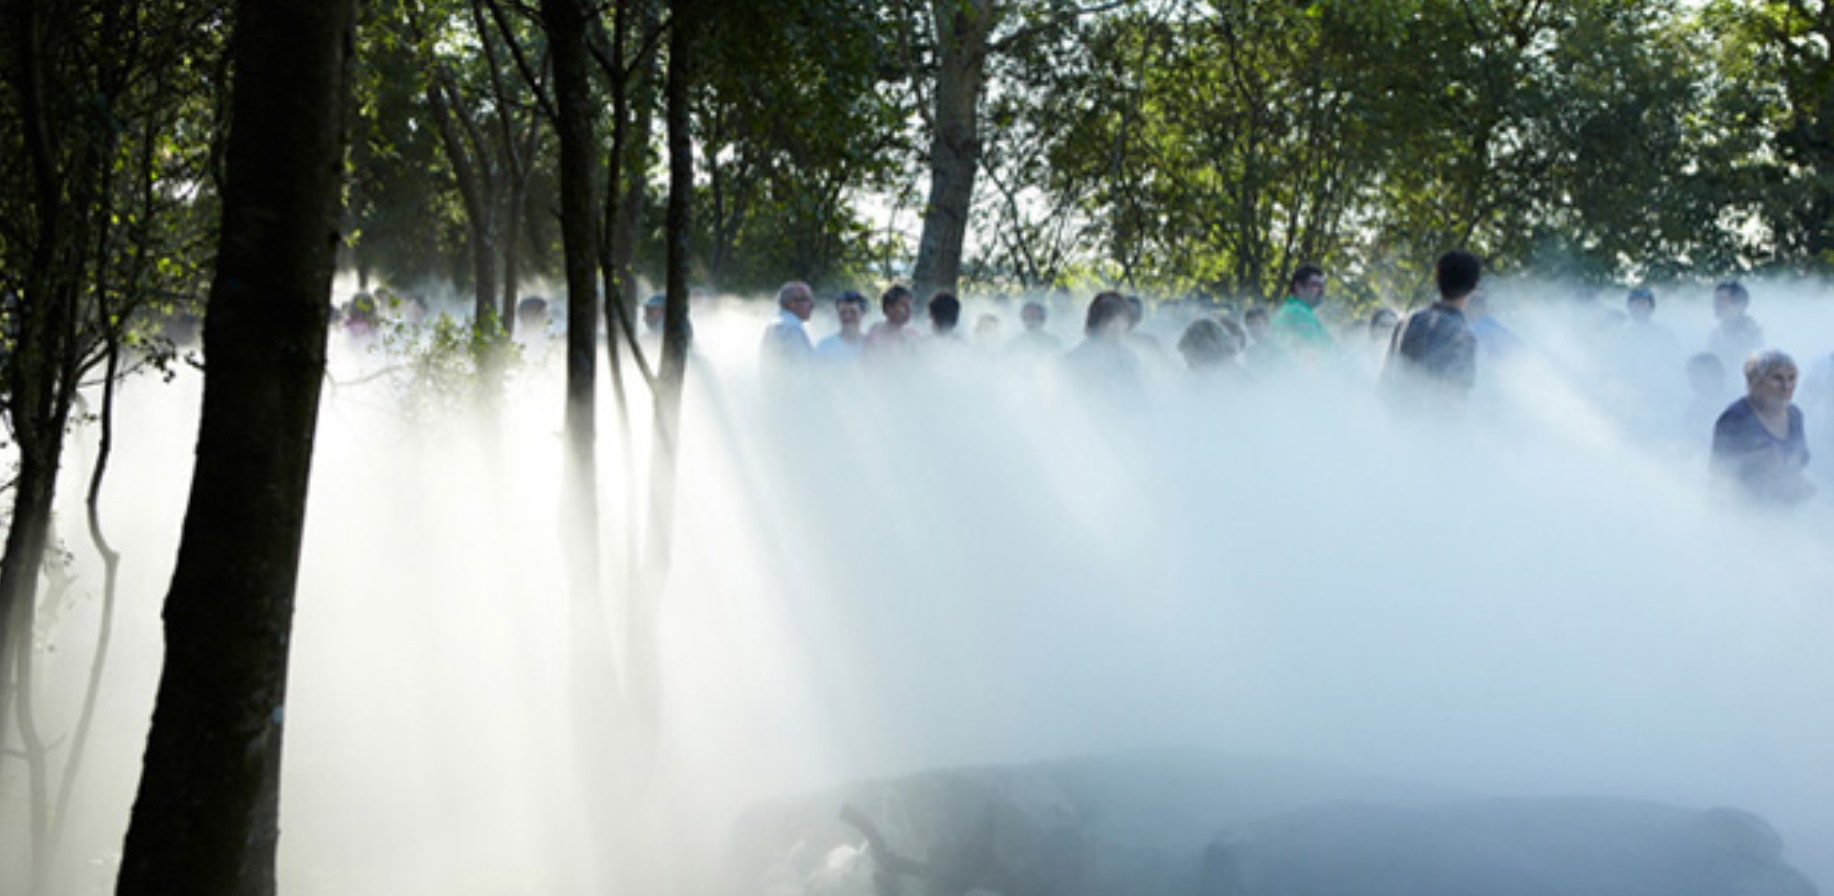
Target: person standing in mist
1758	443
786	342
843	347
1295	327
1036	341
894	336
1102	365
1435	350
1737	335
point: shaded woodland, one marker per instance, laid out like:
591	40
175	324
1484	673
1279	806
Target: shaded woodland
169	161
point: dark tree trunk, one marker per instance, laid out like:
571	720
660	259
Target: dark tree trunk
206	819
962	29
565	21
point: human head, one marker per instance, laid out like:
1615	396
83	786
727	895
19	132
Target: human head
1456	274
1307	284
1206	343
653	311
987	327
945	312
1730	299
796	298
896	304
361	310
1770	379
532	313
850	307
1640	304
1382	324
1108	316
1033	315
1255	319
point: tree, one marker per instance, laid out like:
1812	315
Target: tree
1776	65
488	127
107	105
206	818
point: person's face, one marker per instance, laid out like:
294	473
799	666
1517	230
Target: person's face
1311	290
1033	317
898	313
801	304
652	317
1775	388
1723	305
1641	309
850	314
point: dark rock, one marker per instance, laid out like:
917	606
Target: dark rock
1181	824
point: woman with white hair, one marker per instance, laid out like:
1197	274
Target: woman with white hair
1758	441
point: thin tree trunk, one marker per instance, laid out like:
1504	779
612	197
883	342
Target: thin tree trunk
634	147
617	282
41	372
645	676
206	819
962	29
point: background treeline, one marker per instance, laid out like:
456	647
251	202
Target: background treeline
1184	147
1169	145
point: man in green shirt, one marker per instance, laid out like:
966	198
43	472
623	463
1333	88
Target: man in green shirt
1295	329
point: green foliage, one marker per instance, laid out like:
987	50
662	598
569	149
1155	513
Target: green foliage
793	122
437	367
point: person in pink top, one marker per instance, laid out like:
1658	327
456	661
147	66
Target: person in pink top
893	336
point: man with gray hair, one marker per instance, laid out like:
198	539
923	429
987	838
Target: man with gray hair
786	342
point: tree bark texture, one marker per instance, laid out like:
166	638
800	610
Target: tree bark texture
962	30
206	818
565	22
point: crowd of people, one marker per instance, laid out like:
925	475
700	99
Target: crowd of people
1427	361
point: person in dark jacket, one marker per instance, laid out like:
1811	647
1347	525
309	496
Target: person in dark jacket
1758	443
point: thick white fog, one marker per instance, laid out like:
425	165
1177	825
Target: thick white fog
881	570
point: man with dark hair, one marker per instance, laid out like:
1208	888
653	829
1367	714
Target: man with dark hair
1649	347
1102	363
1737	335
945	313
1436	347
844	346
893	336
1295	327
1036	341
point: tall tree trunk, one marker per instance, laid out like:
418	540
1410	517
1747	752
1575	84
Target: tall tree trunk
645	677
962	29
565	21
206	819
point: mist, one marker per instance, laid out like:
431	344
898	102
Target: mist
883	570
